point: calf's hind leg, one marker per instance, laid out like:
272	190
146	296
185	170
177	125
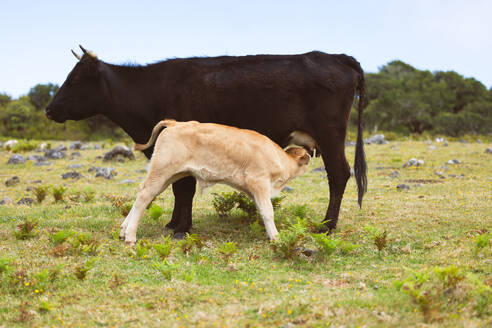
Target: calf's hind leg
148	190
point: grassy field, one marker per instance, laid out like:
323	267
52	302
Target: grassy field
415	257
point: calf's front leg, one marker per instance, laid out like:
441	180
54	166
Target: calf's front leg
264	205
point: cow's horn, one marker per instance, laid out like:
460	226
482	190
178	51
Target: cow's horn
88	53
76	55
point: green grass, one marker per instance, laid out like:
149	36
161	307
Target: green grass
236	278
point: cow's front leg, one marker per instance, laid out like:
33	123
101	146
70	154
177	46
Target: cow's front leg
184	191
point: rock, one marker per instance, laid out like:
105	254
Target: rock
488	151
92	168
479	141
376	139
75	154
432	147
37	181
413	162
29	188
54	154
16	159
12	181
105	172
463	141
118	151
9	144
445	144
428	142
394	174
402	186
74	166
71	175
84	147
350	143
60	148
453	161
352	172
45	163
440	139
457	176
440	174
287	189
97	146
76	145
36	158
129	181
444	167
6	201
319	169
25	201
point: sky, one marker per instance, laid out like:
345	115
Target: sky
36	36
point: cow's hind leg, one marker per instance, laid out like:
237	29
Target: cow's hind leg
184	191
149	189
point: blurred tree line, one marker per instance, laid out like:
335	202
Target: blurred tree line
402	99
24	118
406	100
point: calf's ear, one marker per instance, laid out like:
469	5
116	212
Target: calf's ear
304	159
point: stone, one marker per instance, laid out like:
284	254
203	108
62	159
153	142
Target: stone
25	201
16	159
432	147
76	145
12	181
71	175
105	172
61	148
488	151
413	162
287	189
118	151
84	147
350	143
394	174
36	158
352	172
54	154
377	139
440	174
453	161
42	147
75	154
127	181
319	169
6	201
44	163
74	166
402	186
37	181
97	146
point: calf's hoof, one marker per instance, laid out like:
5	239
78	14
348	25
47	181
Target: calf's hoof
130	243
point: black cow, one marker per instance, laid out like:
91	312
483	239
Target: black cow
272	94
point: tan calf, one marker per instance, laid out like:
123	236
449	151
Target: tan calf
213	153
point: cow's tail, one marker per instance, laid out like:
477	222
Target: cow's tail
360	166
155	133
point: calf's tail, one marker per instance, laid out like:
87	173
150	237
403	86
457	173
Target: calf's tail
155	133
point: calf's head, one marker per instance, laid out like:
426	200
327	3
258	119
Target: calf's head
301	156
83	94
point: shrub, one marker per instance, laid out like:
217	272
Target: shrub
25	230
88	195
226	202
165	268
58	193
189	242
482	241
40	193
326	244
82	269
164	249
300	211
24	145
290	239
227	250
155	211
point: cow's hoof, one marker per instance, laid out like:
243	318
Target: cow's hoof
179	235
